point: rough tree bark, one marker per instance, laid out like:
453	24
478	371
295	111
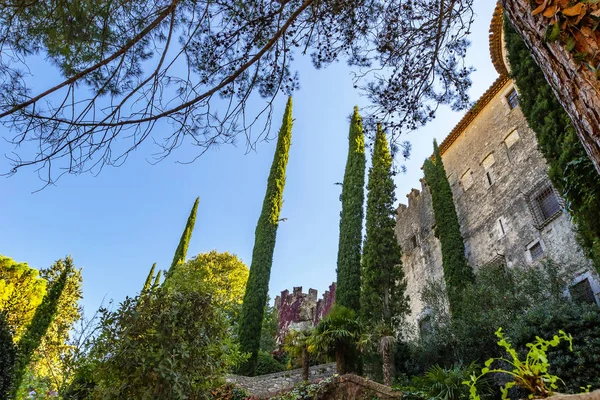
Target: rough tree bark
575	86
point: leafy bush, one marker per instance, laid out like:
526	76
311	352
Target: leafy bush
577	368
171	345
500	296
307	391
530	374
447	383
266	364
229	392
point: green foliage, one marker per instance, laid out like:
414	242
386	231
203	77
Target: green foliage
7	357
270	327
383	286
224	272
184	242
45	313
21	292
266	364
149	279
173	345
336	336
579	367
51	358
307	391
457	272
447	383
229	392
500	296
531	374
571	171
257	288
351	219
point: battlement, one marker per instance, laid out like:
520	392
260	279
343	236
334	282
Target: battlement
301	311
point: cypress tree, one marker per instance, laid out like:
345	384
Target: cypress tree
457	271
43	317
149	279
156	283
7	357
570	169
383	286
257	288
184	242
351	219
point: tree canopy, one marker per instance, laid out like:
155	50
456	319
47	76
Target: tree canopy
119	67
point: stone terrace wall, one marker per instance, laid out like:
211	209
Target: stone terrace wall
270	384
358	388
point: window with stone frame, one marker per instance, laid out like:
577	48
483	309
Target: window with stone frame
466	180
511	139
512	98
582	292
545	204
488	167
536	251
412	242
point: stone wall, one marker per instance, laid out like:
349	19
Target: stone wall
301	311
496	174
270	384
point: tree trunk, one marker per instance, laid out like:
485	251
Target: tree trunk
575	86
305	362
340	359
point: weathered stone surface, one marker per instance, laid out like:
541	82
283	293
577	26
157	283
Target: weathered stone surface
270	384
352	386
495	175
581	396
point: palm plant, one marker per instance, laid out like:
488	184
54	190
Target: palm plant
296	345
447	383
337	335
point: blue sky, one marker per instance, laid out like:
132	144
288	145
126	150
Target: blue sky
116	224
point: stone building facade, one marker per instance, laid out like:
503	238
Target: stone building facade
508	210
301	311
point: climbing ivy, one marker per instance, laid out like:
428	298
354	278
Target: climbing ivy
570	169
457	271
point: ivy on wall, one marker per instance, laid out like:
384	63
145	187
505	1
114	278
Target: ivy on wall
457	272
570	169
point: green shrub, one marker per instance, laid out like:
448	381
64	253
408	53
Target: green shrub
447	383
577	368
229	392
266	364
7	357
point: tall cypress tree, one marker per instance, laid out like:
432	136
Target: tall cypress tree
264	244
7	357
571	170
43	317
184	242
351	219
383	286
149	279
457	271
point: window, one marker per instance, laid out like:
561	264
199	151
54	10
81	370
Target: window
582	292
413	242
466	180
501	227
512	98
488	164
536	251
544	203
511	139
548	203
